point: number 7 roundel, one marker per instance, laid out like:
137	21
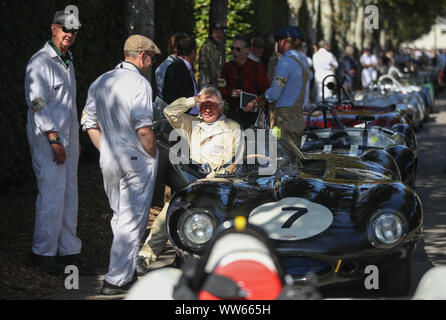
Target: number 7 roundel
292	219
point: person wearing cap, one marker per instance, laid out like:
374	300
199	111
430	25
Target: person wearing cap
118	117
369	63
286	94
53	136
210	57
324	64
212	138
173	55
242	74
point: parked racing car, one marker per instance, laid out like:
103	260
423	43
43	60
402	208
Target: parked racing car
328	214
382	97
374	144
387	110
391	84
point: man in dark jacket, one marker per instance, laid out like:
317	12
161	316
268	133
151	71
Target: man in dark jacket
349	67
179	80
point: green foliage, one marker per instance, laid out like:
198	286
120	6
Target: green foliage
240	16
269	16
407	20
201	15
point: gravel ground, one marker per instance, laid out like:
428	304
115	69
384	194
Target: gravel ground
18	278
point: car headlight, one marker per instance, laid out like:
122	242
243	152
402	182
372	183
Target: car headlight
387	228
196	227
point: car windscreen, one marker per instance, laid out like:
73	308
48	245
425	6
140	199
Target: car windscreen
263	151
349	140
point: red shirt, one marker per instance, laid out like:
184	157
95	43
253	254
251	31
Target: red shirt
243	77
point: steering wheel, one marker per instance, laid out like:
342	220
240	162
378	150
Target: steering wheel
250	156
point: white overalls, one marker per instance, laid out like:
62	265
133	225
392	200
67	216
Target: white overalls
119	103
50	91
368	75
323	64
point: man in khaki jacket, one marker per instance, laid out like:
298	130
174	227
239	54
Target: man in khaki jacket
212	139
210	58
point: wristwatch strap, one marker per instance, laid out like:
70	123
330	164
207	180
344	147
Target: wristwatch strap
56	140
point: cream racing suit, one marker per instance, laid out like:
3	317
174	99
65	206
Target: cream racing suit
219	144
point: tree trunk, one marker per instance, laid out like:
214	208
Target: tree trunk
339	33
359	27
218	13
313	12
326	20
352	19
140	19
294	7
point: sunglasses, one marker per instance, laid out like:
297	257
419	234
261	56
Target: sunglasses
72	31
151	56
236	48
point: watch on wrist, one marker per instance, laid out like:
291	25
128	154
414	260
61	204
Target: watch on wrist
56	140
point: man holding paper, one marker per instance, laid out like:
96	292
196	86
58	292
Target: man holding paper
242	75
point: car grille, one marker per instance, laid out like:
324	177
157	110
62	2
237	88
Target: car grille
299	266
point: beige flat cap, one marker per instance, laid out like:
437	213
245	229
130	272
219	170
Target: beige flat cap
138	42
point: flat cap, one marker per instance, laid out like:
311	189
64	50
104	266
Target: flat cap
138	42
289	32
67	20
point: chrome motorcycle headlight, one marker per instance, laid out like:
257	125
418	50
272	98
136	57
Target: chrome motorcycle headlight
387	228
196	227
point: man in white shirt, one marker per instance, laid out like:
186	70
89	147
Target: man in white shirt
324	64
118	117
369	64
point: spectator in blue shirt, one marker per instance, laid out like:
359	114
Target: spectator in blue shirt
287	92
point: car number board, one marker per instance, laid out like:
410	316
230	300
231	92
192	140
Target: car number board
292	218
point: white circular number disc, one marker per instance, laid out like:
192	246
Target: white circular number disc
292	219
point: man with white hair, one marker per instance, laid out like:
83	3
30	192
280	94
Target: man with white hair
324	64
212	139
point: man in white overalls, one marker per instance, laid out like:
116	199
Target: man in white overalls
53	136
118	118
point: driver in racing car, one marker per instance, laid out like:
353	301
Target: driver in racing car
212	139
